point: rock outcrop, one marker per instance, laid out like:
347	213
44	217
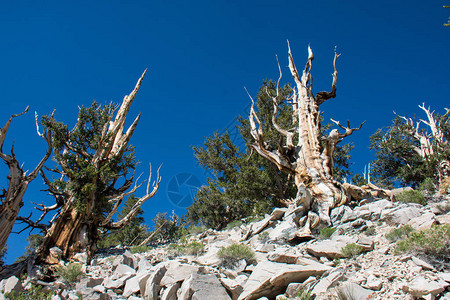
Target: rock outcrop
284	265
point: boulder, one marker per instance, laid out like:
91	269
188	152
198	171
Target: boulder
91	282
373	283
150	288
443	219
422	222
177	271
110	283
264	248
130	259
11	284
327	281
286	255
270	279
202	286
259	226
420	286
351	290
401	215
283	231
55	255
293	289
331	249
365	242
144	265
122	270
418	262
234	286
80	257
445	276
341	214
170	293
131	286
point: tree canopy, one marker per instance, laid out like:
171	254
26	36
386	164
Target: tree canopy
243	182
411	150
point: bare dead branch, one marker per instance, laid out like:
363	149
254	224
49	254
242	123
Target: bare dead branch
139	202
324	96
5	128
31	224
348	129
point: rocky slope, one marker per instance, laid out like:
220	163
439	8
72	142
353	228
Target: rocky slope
285	267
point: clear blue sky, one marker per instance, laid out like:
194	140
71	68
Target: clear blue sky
200	54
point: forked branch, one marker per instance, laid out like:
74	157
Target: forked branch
139	202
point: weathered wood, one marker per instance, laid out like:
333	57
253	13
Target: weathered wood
75	230
430	140
310	161
18	181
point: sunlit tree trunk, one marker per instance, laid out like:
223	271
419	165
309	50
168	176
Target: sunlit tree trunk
306	154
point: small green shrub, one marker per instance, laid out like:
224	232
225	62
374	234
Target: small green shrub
184	248
263	237
303	295
336	261
139	249
427	185
232	254
433	242
352	250
325	233
255	218
195	229
399	233
233	224
370	231
443	208
412	197
71	273
34	293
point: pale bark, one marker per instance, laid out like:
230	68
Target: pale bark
308	161
18	181
430	139
75	230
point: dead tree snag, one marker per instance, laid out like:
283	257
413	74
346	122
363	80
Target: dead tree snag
18	181
306	154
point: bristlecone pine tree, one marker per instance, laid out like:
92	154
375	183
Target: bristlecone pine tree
305	153
93	163
412	150
11	200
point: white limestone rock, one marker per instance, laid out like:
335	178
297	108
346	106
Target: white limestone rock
328	281
177	271
11	284
170	293
234	286
401	214
270	279
420	286
202	286
150	288
355	292
373	283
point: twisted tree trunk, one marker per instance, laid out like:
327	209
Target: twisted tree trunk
98	168
12	198
306	154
